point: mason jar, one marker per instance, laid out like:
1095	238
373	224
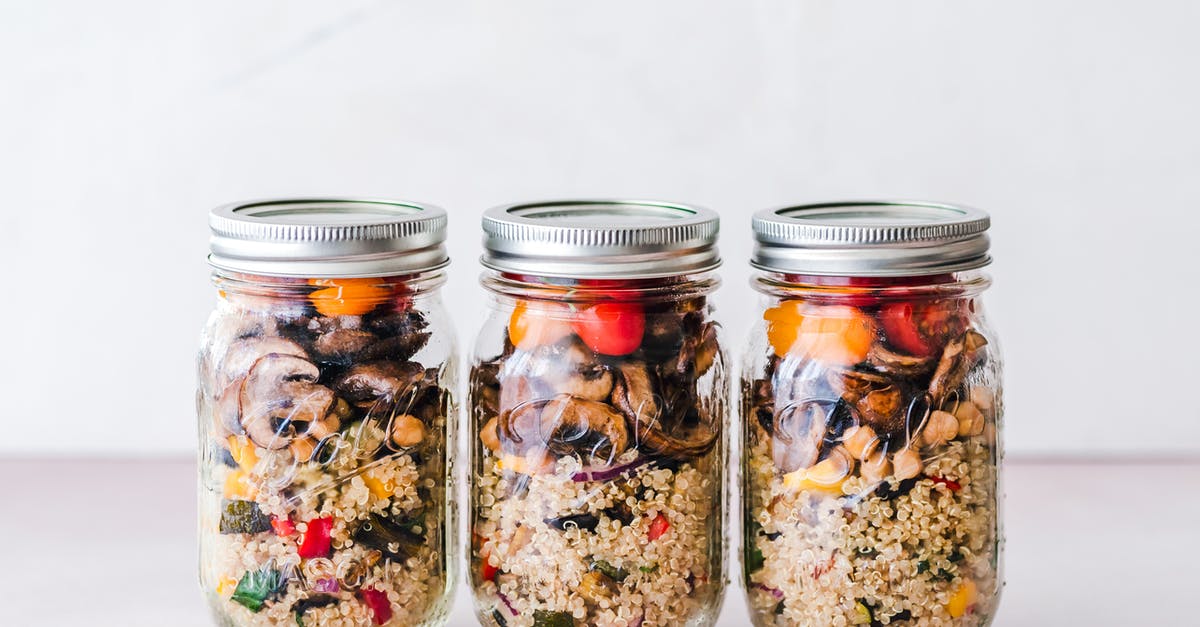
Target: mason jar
871	404
326	416
598	418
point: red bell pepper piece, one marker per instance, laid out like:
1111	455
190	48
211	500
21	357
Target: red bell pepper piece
949	483
658	527
317	538
487	572
283	526
378	601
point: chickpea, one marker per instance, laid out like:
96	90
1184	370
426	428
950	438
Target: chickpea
942	428
302	449
860	441
490	434
907	464
876	466
407	431
970	419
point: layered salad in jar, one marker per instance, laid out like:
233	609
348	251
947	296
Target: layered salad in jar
324	417
598	484
870	461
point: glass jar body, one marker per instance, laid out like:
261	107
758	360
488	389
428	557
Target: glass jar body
326	422
871	453
598	418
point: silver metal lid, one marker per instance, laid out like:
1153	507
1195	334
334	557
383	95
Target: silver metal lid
871	238
600	239
328	237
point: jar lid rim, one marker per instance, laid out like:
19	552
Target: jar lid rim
871	238
601	238
328	237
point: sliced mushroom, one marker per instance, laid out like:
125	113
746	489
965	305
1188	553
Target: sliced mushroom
693	437
854	384
343	344
883	409
707	349
575	371
576	425
957	358
898	364
634	392
280	399
517	391
519	429
398	347
243	353
369	384
799	431
227	410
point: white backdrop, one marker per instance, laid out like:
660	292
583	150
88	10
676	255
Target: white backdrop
123	122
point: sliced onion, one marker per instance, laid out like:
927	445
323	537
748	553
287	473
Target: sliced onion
775	592
506	602
326	585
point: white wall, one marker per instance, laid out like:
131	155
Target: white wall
123	122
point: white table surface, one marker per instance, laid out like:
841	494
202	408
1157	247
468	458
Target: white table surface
112	543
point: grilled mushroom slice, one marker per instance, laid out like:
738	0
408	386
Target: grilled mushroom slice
280	400
635	392
343	344
898	364
576	425
243	353
957	358
799	431
369	384
564	425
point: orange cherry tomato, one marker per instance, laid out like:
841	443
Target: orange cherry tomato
835	335
535	323
783	323
347	297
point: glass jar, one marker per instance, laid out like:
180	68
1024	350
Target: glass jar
326	416
598	418
871	405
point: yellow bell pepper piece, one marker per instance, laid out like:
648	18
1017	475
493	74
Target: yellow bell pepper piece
800	480
962	599
243	452
238	486
378	488
226	586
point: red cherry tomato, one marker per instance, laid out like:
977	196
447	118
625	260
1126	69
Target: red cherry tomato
920	329
611	328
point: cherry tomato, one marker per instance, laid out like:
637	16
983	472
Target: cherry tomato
834	334
658	527
347	297
920	328
534	324
611	328
783	322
